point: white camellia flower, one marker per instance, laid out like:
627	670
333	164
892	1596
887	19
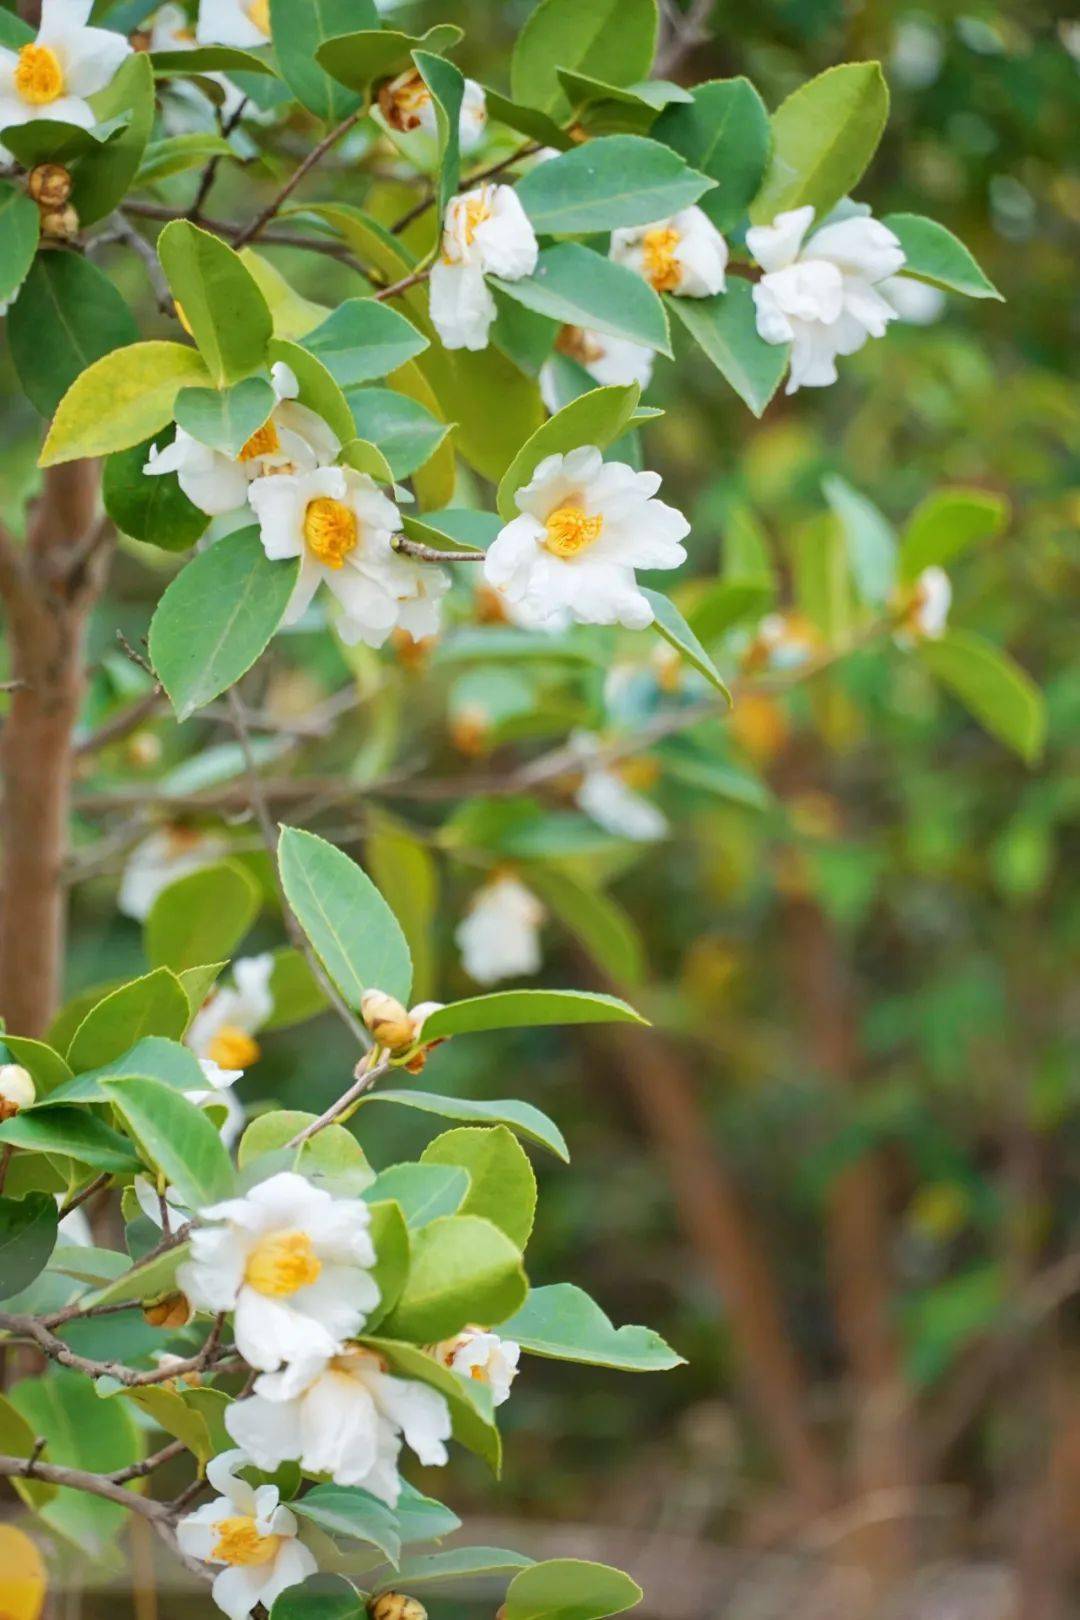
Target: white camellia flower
52	76
915	301
924	607
251	1533
821	294
291	1262
170	853
292	440
406	104
233	22
684	255
483	1357
224	1028
608	360
345	1416
341	526
585	525
783	641
499	937
17	1089
485	231
609	801
169	30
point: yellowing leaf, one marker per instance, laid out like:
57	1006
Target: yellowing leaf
122	399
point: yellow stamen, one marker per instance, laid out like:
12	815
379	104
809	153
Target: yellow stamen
281	1263
331	530
233	1048
477	209
659	247
570	530
263	442
239	1542
39	78
259	13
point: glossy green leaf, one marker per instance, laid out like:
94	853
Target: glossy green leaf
614	180
226	418
725	327
869	537
320	1597
598	418
216	617
178	1138
176	154
68	297
390	1237
72	1131
356	935
296	993
148	1280
946	524
456	1564
318	389
521	1117
153	1005
363	56
601	108
824	136
670	624
228	316
172	1414
421	1518
155	509
463	1269
561	1321
422	1191
538	126
363	340
404	432
17	1439
333	1157
570	1589
501	1183
27	1237
575	286
525	1009
299	28
469	1401
447	87
202	917
724	132
209	59
104	176
20	226
44	1064
613	38
934	254
121	400
351	1513
990	684
151	1058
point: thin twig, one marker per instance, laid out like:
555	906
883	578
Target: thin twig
59	1351
366	1077
79	1479
88	1191
403	285
251	232
466	184
124	230
121	724
422	553
158	1459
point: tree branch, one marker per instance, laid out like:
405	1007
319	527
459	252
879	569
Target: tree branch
253	231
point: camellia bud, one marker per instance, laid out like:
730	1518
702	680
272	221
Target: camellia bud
144	749
49	184
171	1311
396	1606
60	224
17	1089
387	1020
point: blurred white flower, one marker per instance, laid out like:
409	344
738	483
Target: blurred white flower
485	231
821	295
685	254
224	1028
74	1226
251	1533
608	360
917	52
233	22
292	440
168	29
172	852
291	1262
406	104
483	1357
499	936
924	607
609	801
585	525
17	1089
53	75
916	302
345	1416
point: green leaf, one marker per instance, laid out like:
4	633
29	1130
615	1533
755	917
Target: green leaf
493	405
104	176
225	419
613	38
209	59
155	509
456	1564
356	935
296	993
178	153
562	1322
578	287
404	871
390	1237
670	623
121	400
501	1183
598	417
615	180
362	340
27	1238
73	1131
606	931
147	1281
198	982
402	430
17	1439
469	1400
726	329
463	1270
228	316
46	1067
447	87
869	537
177	1137
538	126
946	524
70	299
422	1191
151	1058
525	1009
202	917
521	1117
361	57
318	389
320	1597
366	457
990	684
172	1414
153	1005
216	617
20	227
608	109
570	1589
421	1518
299	28
333	1157
348	1511
724	132
934	254
824	136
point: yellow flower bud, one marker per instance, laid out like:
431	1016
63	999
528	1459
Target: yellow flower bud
396	1606
144	749
17	1089
387	1020
49	184
170	1311
60	224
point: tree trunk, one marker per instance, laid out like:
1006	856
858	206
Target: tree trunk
48	587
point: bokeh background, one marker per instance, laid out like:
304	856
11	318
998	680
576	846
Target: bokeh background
839	1174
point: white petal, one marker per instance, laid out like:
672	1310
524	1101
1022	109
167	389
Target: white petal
778	244
237	1589
420	1412
461	307
91	58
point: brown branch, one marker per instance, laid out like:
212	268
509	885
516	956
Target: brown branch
59	1351
366	1077
158	1459
252	232
422	553
120	725
80	1479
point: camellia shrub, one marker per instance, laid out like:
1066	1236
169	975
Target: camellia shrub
455	450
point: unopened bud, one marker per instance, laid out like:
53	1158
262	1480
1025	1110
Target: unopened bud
60	224
171	1311
500	1612
470	731
396	1606
144	749
49	184
387	1020
17	1089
